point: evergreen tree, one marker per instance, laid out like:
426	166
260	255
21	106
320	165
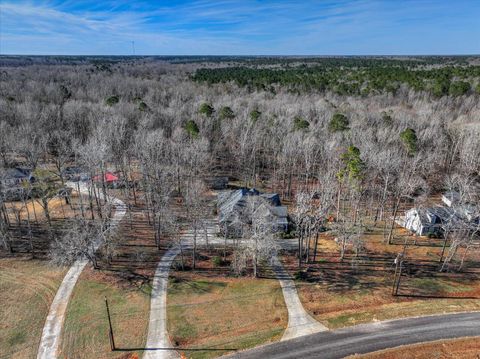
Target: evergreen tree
206	109
192	129
353	165
339	122
226	113
409	138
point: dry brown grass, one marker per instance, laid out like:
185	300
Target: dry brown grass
57	207
358	290
85	332
466	348
216	312
27	288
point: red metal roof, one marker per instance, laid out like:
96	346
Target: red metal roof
108	177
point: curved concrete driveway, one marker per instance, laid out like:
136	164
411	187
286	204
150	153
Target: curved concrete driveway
371	337
300	323
158	346
51	335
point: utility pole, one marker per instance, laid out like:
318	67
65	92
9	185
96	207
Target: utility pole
110	333
398	273
133	47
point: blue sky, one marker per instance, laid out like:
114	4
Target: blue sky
236	27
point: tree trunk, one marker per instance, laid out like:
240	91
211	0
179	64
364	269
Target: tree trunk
392	227
194	246
315	248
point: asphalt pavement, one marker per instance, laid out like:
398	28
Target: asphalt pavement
370	337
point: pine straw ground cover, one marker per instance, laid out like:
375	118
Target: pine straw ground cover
358	290
211	314
466	348
27	288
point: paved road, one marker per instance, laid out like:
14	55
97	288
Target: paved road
51	334
367	338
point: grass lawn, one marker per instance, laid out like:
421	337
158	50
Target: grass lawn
27	287
466	348
214	312
85	332
358	290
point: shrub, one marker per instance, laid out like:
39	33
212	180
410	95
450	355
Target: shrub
300	275
142	106
217	261
226	113
255	115
409	138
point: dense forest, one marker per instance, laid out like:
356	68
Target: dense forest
354	76
292	125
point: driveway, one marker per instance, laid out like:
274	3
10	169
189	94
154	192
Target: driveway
52	330
158	342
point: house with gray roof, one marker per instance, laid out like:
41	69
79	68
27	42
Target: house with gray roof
434	220
231	206
12	182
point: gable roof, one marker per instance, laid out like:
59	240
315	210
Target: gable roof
231	203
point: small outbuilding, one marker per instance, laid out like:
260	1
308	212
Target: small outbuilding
217	182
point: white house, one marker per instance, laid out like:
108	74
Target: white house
423	221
